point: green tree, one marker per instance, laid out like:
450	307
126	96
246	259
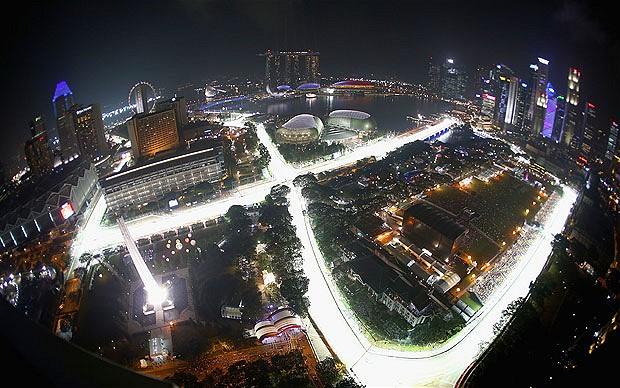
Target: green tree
328	371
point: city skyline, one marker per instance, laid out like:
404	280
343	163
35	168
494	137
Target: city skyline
306	26
312	194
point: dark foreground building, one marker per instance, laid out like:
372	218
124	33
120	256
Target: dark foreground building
34	357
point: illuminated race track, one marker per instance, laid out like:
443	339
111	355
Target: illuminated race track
373	366
440	367
94	237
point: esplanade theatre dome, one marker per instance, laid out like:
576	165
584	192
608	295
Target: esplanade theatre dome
301	129
354	120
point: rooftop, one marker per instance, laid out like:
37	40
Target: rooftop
62	89
350	114
436	219
303	121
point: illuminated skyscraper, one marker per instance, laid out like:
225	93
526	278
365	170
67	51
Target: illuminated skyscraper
453	80
591	137
560	111
571	114
434	77
538	102
612	141
488	107
89	131
153	133
66	124
512	106
550	113
501	78
291	68
63	99
179	105
524	93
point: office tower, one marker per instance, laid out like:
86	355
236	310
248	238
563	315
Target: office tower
501	77
560	110
291	68
524	94
488	107
571	115
153	133
434	77
453	80
179	105
590	136
63	99
512	105
538	102
66	126
477	83
550	112
89	132
612	141
37	149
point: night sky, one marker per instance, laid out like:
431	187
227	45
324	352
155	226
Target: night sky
101	49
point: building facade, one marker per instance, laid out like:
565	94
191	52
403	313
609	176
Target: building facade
571	114
179	106
49	202
63	99
291	68
612	141
157	178
538	101
89	132
39	155
453	80
153	133
67	134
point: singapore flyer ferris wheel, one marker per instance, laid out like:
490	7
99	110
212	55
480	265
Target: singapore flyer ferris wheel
142	97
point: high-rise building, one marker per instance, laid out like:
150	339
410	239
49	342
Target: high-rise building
179	105
560	110
488	107
524	94
434	77
538	102
512	105
89	131
591	137
291	68
453	80
63	98
550	112
153	133
501	77
612	141
66	126
38	153
571	114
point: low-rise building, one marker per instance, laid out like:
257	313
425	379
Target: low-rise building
431	228
390	287
153	179
47	202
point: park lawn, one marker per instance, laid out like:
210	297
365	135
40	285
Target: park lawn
499	204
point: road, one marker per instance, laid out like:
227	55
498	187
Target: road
375	367
94	237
